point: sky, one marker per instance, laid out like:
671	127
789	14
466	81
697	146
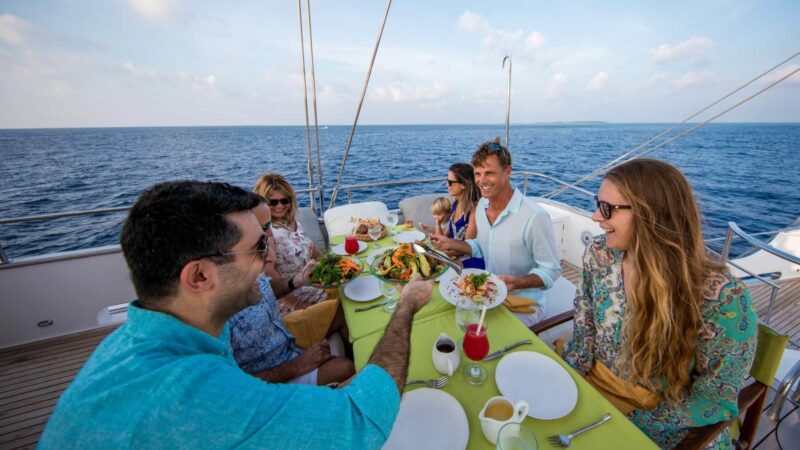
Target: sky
102	63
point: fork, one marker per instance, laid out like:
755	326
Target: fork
435	383
563	440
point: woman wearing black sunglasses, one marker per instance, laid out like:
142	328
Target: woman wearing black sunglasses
293	248
661	327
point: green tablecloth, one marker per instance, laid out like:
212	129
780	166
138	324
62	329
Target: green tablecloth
504	328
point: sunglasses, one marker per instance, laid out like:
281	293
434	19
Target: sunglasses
262	246
494	147
606	208
452	182
283	201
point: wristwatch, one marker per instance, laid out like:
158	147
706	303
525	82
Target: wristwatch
291	284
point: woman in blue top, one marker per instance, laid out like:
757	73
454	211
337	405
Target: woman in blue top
461	186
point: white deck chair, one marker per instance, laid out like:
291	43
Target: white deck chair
337	220
560	298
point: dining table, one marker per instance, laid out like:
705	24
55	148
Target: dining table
503	328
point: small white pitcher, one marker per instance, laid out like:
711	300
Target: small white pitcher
499	411
445	355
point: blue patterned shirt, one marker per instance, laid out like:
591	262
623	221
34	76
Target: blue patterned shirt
157	382
259	339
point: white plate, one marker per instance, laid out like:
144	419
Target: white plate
363	289
548	388
429	418
339	248
409	237
451	293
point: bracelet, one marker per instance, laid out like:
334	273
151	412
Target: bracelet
291	284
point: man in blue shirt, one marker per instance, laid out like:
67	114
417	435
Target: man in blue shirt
515	235
166	379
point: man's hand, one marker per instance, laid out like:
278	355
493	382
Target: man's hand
315	356
510	281
417	293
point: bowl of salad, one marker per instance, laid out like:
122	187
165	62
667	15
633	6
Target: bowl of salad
333	270
398	264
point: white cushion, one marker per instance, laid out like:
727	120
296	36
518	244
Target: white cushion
418	208
337	220
308	220
560	298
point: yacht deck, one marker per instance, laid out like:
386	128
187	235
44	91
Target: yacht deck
33	376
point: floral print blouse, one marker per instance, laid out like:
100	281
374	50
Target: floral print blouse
724	355
292	252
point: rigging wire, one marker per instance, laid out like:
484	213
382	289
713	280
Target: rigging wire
335	192
613	162
309	167
314	103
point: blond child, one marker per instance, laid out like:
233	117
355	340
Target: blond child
441	210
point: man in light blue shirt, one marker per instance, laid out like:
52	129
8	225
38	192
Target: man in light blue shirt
515	235
167	379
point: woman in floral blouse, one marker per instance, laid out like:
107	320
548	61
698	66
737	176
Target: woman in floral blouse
293	248
661	329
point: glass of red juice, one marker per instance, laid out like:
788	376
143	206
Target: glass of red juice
351	245
476	347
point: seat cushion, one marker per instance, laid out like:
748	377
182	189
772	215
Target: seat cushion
337	220
560	298
418	208
308	220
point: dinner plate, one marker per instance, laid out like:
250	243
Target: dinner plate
409	237
548	388
429	418
363	289
339	248
451	293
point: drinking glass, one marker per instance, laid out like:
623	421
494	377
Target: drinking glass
351	245
516	436
391	222
374	233
476	347
389	290
465	313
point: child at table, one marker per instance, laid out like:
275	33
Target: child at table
441	214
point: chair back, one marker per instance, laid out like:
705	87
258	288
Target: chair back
769	351
337	220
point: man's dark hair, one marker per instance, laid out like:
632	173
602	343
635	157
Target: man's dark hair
176	222
491	148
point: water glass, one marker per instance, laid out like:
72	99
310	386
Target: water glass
389	290
374	233
391	222
466	313
516	436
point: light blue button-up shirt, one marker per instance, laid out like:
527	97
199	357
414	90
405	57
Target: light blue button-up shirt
520	242
157	382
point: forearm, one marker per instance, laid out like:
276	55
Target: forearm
528	281
283	373
392	351
281	287
459	246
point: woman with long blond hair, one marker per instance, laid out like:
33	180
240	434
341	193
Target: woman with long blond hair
293	248
661	328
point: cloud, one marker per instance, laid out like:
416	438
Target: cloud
403	91
13	30
199	82
556	86
534	42
658	77
140	73
155	9
496	42
694	79
691	48
469	23
780	73
598	82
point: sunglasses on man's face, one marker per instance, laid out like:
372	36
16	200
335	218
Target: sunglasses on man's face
262	247
283	201
606	208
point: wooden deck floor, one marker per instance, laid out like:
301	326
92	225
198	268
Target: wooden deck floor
33	376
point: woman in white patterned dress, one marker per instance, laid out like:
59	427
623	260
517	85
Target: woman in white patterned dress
293	248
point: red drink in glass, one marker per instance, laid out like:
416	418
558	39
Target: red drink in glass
351	245
476	345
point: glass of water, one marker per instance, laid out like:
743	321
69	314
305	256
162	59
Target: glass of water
389	290
466	312
516	436
391	221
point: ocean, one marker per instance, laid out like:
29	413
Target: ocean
745	173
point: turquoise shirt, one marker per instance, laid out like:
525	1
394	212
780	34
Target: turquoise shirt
157	382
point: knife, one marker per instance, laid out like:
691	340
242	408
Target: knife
367	308
500	352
